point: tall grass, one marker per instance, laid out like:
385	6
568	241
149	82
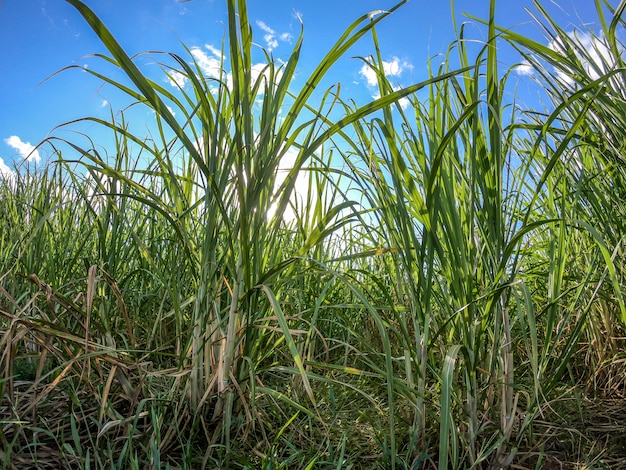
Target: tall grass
437	176
583	74
178	301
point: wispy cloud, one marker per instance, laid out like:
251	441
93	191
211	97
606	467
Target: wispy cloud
214	50
271	37
25	149
47	16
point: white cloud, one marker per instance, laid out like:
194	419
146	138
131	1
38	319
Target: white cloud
169	108
525	69
25	149
597	59
104	104
210	64
214	50
262	69
210	61
394	68
271	37
265	27
271	42
5	171
404	102
369	74
176	79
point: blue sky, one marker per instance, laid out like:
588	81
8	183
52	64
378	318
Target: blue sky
40	37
